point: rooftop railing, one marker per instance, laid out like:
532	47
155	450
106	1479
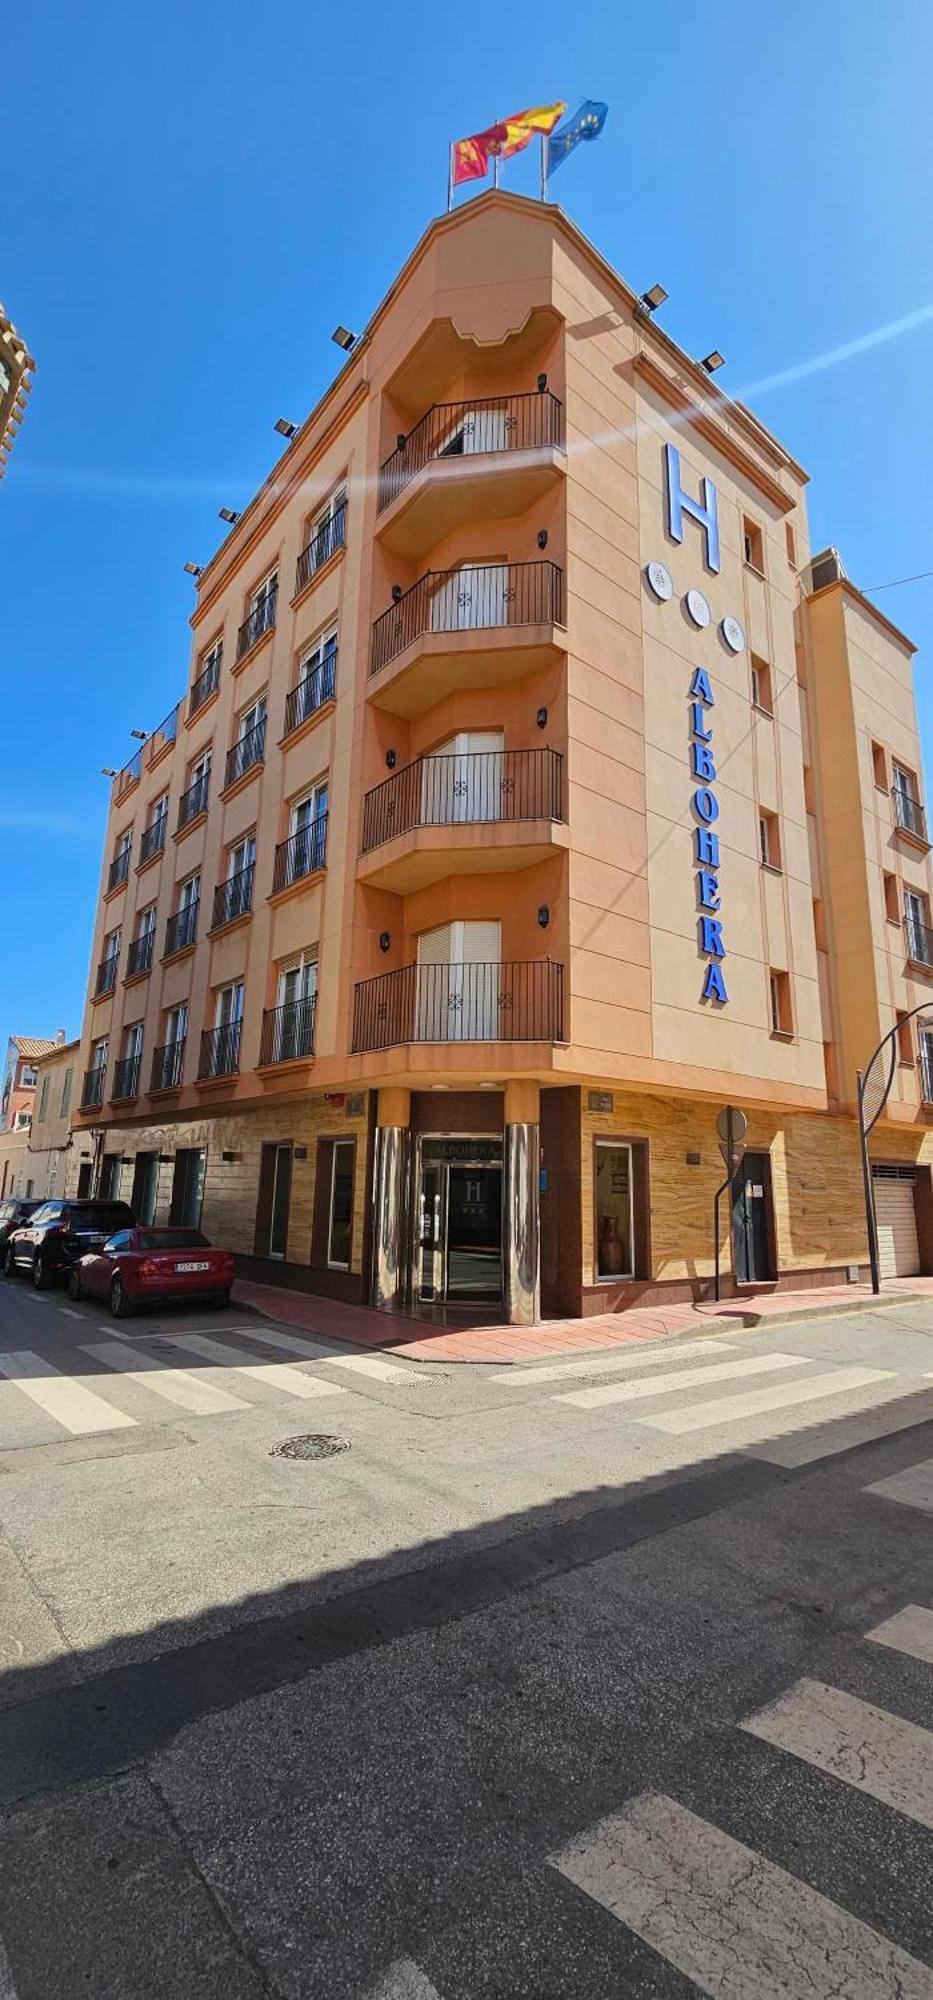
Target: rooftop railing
478	597
460	430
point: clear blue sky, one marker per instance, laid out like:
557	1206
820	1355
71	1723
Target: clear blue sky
196	194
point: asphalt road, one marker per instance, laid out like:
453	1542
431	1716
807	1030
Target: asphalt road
593	1678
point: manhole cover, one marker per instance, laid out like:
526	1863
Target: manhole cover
315	1445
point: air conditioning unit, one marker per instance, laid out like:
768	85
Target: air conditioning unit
828	567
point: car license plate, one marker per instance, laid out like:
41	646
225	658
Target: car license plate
192	1267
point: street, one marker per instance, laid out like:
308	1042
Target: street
605	1676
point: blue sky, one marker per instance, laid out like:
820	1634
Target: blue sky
195	195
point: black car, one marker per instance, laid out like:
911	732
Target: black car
13	1211
59	1233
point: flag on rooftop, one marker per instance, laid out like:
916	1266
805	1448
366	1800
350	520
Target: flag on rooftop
587	123
470	158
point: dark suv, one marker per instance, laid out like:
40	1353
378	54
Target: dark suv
59	1233
13	1211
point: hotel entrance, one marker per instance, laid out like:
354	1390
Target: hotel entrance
458	1222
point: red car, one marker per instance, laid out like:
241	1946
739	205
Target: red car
137	1267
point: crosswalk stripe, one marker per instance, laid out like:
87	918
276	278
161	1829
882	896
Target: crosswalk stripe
909	1631
283	1375
877	1753
358	1364
881	1418
403	1981
685	1378
911	1488
73	1406
723	1916
189	1392
735	1409
607	1364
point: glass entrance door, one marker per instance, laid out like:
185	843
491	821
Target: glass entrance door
458	1248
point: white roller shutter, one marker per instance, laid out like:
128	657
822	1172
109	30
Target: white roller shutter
898	1249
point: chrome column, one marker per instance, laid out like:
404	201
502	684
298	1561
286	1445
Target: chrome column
390	1182
520	1247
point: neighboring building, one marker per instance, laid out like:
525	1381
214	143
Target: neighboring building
534	797
17	1104
50	1146
16	369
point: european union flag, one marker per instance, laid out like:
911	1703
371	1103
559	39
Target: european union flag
587	123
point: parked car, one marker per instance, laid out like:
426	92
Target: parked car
13	1211
136	1267
59	1233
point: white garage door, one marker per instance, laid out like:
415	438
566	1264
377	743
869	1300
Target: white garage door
898	1250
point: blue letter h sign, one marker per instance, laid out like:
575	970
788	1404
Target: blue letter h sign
703	510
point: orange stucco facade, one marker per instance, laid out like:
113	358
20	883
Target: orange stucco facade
437	1019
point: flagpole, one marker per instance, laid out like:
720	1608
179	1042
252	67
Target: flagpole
450	176
495	161
544	166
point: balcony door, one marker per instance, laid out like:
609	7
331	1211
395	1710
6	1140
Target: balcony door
471	598
308	820
485	428
462	779
297	988
915	914
458	983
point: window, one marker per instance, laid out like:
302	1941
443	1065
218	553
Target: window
316	674
251	717
891	909
340	1225
28	1075
925	1066
176	1023
153	834
917	927
753	546
908	811
99	1055
189	891
779	995
905	1046
790	543
65	1105
146	922
210	663
242	856
229	1004
43	1099
248	747
769	840
188	1187
265	592
879	766
23	1121
761	686
614	1211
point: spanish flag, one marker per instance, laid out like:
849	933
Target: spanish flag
470	157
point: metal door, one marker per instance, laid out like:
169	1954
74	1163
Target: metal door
751	1221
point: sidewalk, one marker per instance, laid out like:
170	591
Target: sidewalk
411	1338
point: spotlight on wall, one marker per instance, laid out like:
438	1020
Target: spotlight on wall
385	941
344	338
541	718
228	514
401	441
192	569
542	538
397	593
141	735
391	760
106	771
284	428
653	298
542	384
712	361
544	916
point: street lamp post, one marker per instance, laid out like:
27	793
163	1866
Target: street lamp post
874	1088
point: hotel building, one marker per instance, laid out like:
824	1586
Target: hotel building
535	797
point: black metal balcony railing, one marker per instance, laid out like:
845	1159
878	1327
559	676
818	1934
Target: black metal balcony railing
475	786
119	868
126	1077
167	1065
206	684
233	898
311	693
152	838
107	974
480	597
521	1001
287	1032
330	537
925	1075
459	430
130	774
260	620
139	956
909	813
919	938
300	855
194	800
220	1050
92	1089
181	929
245	752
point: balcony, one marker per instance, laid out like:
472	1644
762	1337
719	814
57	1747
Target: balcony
484	459
287	1032
206	684
119	869
126	1079
194	800
925	1075
909	815
517	1001
245	754
311	693
261	619
152	838
92	1089
330	537
106	975
181	929
220	1051
474	811
233	898
167	1065
919	938
302	855
139	956
148	754
478	626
